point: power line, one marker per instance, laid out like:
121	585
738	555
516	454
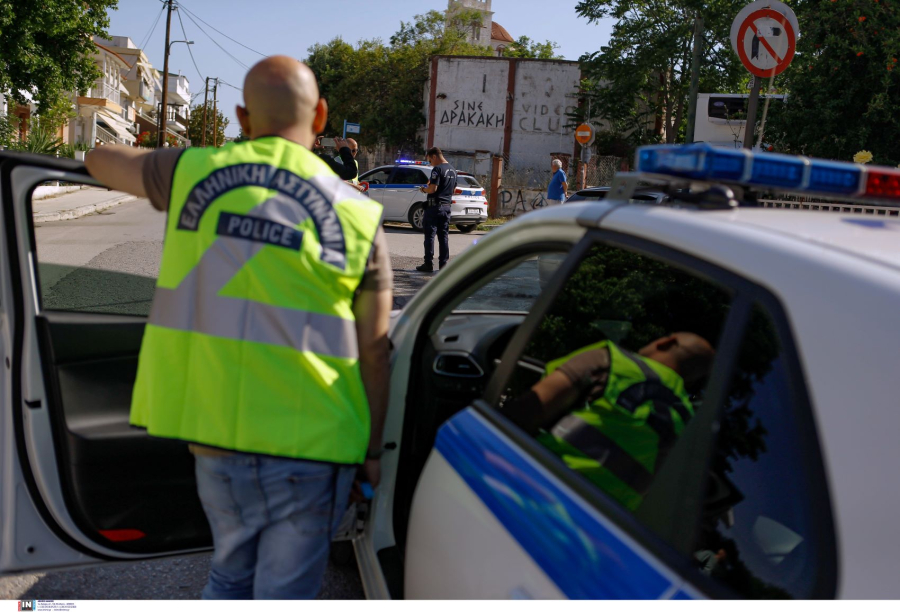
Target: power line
223	33
199	73
230	85
239	62
152	28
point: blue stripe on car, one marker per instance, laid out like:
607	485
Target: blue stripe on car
585	555
394	186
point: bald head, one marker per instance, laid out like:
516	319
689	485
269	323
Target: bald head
281	98
687	353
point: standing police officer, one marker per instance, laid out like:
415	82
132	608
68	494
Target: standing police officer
437	209
266	347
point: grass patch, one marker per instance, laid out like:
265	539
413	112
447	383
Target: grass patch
492	223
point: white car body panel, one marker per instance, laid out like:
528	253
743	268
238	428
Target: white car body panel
472	555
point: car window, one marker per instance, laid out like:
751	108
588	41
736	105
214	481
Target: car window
757	532
616	369
466	181
590	195
377	177
97	250
408	176
516	289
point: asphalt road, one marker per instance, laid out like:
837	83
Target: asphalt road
107	262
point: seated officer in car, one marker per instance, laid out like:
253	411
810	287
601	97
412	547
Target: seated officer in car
613	415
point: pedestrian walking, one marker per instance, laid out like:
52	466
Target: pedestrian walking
266	347
436	221
558	190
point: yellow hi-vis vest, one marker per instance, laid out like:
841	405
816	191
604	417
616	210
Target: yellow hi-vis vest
620	440
251	342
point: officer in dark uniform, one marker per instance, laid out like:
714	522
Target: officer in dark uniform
440	190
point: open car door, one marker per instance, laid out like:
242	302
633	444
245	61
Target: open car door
79	484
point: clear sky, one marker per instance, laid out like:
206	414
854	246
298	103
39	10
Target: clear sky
291	26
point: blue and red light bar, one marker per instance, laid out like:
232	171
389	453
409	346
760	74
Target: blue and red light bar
410	162
704	162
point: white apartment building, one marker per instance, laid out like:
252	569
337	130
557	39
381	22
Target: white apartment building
105	115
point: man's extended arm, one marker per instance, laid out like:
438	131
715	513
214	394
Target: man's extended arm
119	167
345	172
372	310
581	378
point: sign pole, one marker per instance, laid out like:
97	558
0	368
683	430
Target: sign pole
762	124
751	114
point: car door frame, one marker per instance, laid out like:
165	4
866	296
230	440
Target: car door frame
743	293
376	548
32	496
697	454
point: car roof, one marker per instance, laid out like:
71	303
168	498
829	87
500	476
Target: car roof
875	238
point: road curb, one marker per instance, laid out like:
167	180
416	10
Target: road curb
87	209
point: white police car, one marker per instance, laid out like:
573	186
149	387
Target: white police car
396	188
781	485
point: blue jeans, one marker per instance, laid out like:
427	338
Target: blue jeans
437	221
272	522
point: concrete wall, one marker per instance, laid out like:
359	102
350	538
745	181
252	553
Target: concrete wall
472	114
470	104
545	92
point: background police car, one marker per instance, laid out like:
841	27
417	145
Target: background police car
395	188
469	506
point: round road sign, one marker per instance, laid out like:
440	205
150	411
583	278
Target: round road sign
764	35
584	134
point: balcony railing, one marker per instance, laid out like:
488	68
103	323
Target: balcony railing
108	137
174	116
104	90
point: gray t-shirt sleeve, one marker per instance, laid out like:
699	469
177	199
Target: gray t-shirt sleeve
158	174
378	275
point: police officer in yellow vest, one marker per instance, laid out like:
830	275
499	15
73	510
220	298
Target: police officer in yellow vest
613	415
266	347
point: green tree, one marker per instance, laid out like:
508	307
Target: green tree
9	130
844	82
46	47
643	73
195	126
527	48
380	85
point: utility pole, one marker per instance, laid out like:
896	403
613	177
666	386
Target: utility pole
163	116
216	113
695	79
205	106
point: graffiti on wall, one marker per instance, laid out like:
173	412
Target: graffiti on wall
544	118
514	202
470	113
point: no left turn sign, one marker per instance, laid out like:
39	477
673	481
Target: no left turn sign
764	35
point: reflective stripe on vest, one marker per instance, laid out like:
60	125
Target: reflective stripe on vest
251	342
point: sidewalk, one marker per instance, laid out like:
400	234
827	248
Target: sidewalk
77	204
